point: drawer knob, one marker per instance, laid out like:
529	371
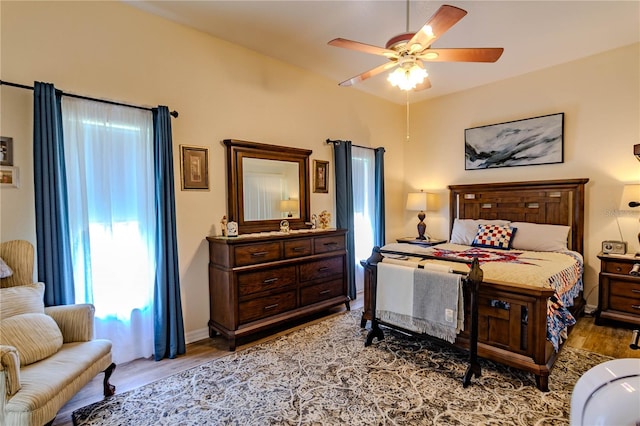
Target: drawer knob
618	269
270	280
275	305
636	307
635	271
325	291
633	290
259	253
323	269
332	243
299	249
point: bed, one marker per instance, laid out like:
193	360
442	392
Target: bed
515	311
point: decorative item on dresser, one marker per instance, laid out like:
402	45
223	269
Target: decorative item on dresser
257	282
619	289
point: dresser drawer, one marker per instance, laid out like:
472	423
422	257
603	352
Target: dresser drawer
264	280
625	304
327	244
621	268
297	248
625	289
320	292
257	253
322	268
262	307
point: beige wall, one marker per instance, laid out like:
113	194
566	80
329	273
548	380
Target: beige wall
113	51
110	50
600	97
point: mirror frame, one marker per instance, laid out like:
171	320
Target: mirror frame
236	151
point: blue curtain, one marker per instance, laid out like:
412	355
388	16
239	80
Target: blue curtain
378	233
344	206
52	220
168	323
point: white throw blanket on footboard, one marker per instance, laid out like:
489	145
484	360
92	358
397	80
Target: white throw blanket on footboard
426	301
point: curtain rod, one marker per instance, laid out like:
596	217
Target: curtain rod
337	141
22	86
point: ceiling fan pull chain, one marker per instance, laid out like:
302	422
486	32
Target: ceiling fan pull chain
407	116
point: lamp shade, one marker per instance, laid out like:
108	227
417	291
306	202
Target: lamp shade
289	205
417	201
630	197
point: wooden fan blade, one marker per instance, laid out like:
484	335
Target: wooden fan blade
363	47
368	74
479	54
426	84
444	18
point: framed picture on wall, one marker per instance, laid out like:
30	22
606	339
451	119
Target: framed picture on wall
537	140
6	151
9	177
194	167
320	176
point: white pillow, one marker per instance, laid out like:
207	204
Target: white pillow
540	237
5	270
464	230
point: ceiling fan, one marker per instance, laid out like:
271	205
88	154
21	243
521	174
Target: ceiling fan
408	50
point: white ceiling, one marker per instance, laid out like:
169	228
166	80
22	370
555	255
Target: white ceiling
534	34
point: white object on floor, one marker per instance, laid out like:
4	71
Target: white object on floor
608	394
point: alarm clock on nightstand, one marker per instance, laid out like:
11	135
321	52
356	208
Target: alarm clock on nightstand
614	247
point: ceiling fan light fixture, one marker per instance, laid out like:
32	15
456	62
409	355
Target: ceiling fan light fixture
407	78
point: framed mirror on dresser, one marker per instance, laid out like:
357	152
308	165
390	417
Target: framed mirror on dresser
263	277
266	184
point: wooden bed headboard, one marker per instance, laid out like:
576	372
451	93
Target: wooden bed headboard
555	202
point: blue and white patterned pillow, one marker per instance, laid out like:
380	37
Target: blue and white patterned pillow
494	236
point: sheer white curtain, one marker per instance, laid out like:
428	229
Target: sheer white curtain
110	179
363	175
262	194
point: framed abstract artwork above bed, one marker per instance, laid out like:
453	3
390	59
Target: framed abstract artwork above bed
532	141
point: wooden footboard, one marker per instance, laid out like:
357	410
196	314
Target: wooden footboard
512	323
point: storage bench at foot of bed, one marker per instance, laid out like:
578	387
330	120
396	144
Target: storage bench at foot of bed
512	324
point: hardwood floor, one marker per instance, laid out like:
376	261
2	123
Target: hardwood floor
611	340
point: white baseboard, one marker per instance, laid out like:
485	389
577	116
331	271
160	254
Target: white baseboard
196	335
589	309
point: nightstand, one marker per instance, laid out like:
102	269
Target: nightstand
619	292
424	243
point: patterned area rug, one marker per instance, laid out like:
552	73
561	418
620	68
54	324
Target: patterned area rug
323	375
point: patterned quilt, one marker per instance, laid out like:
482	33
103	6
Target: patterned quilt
561	271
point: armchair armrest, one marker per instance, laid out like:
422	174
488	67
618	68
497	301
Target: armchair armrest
75	321
9	371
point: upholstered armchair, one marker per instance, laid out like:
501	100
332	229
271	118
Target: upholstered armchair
46	354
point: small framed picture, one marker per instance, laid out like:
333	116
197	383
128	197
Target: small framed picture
320	176
6	151
9	177
194	167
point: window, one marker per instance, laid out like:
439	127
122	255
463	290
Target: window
363	175
110	183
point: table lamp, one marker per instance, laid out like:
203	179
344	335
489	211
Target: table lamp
289	206
631	200
417	201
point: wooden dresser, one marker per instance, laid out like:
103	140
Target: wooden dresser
619	295
260	281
